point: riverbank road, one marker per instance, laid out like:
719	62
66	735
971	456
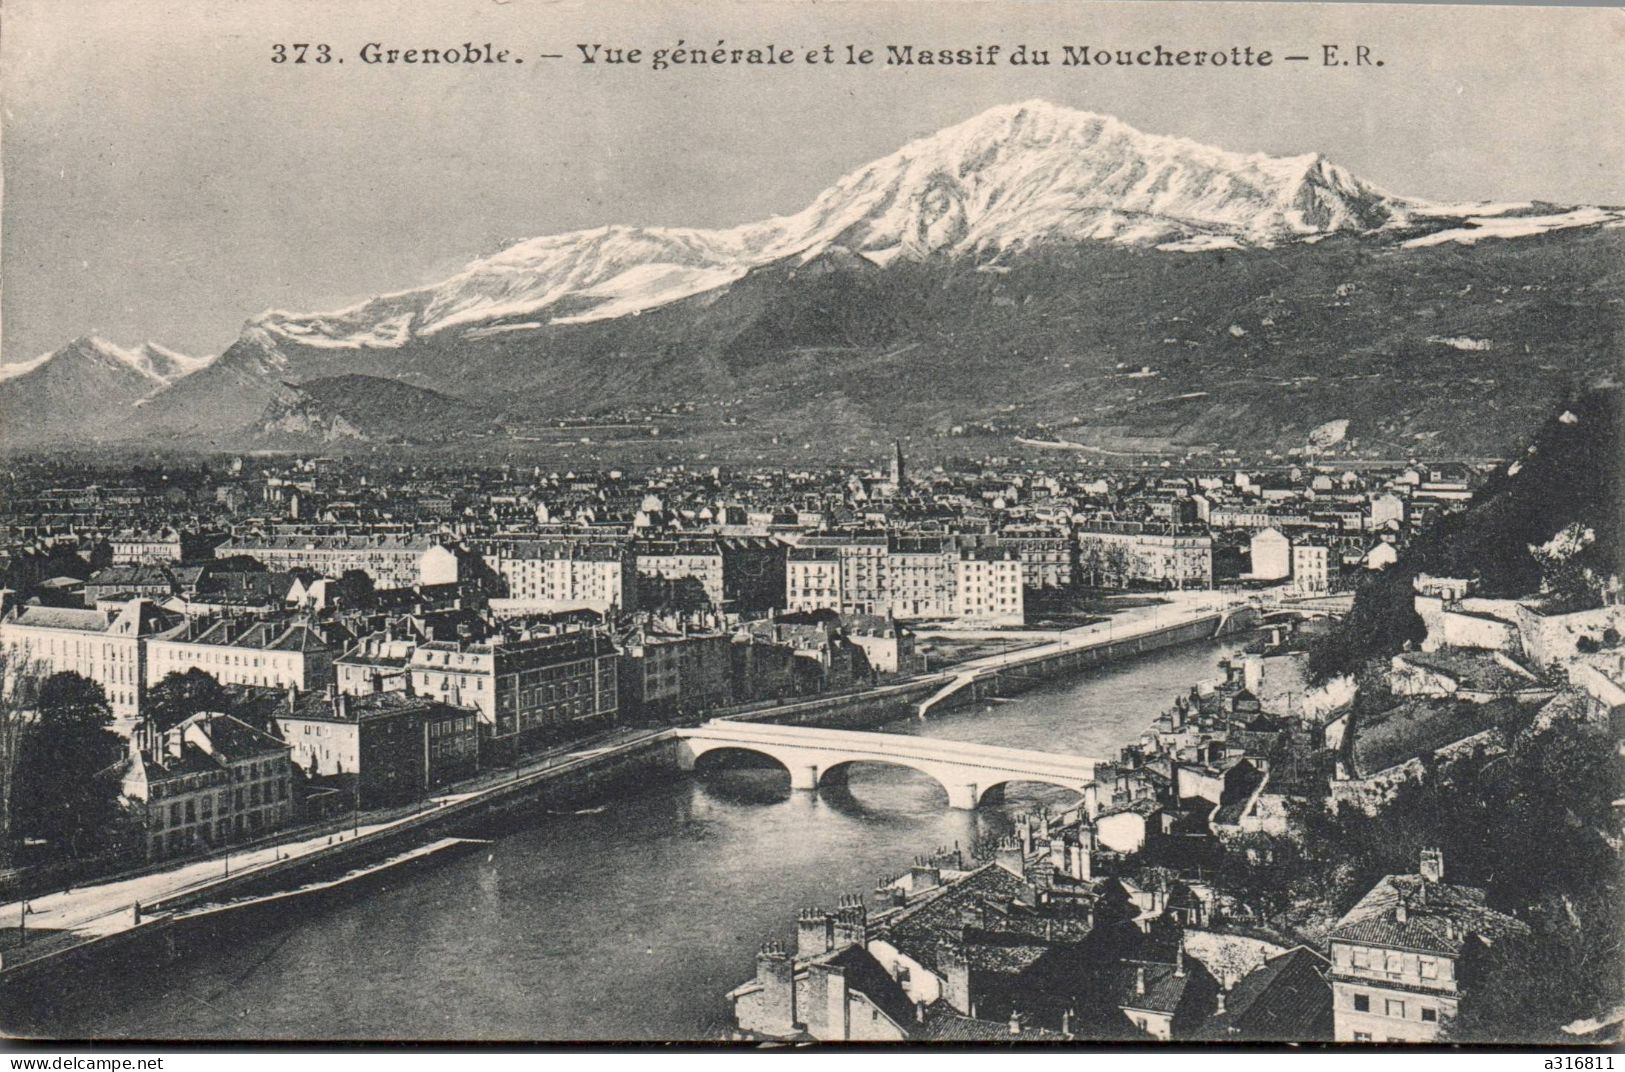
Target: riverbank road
54	921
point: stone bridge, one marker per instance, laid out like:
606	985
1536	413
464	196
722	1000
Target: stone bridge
971	773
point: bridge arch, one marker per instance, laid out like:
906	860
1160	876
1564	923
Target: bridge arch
969	773
834	773
718	755
993	792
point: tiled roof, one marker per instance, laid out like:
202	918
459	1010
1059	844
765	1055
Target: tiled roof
62	618
1439	917
917	930
944	1024
1144	806
1165	985
1003	952
1412	729
1285	999
234	739
135	574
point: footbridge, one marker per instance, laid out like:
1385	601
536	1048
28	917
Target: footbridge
971	773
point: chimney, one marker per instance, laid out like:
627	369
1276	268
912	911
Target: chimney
776	973
1218	1006
293	698
919	1012
1401	912
1010	857
1139	980
1179	959
1066	1023
956	986
851	923
814	932
1015	1022
1433	865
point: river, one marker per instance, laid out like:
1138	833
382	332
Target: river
631	923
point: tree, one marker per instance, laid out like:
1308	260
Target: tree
355	590
1116	565
1090	562
20	678
179	696
1567	968
1382	619
66	791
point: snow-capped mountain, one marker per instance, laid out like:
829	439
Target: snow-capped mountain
1004	180
77	388
158	364
1001	273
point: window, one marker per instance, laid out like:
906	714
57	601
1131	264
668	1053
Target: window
1362	958
1430	1016
1394	1008
1362	1003
1430	968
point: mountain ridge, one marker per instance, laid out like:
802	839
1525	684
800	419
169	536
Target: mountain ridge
1002	268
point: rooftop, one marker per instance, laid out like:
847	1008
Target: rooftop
1439	917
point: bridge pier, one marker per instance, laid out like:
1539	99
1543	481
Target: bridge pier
963	797
803	776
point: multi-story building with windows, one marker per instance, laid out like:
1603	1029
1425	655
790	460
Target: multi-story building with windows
737	572
1397	956
667	675
674	560
1311	569
906	577
566	574
528	691
813	578
133	546
110	647
389	746
208	781
391	561
920	578
1048	558
242	652
988	588
1121	553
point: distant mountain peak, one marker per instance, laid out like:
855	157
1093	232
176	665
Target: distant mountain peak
159	364
1012	176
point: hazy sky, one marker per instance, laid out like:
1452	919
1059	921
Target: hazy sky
164	180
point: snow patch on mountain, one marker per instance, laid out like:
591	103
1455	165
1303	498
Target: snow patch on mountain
23	368
1200	244
1481	227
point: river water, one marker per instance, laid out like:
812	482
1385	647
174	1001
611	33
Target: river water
631	923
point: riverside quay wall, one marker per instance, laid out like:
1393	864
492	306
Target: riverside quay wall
1021	672
166	927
